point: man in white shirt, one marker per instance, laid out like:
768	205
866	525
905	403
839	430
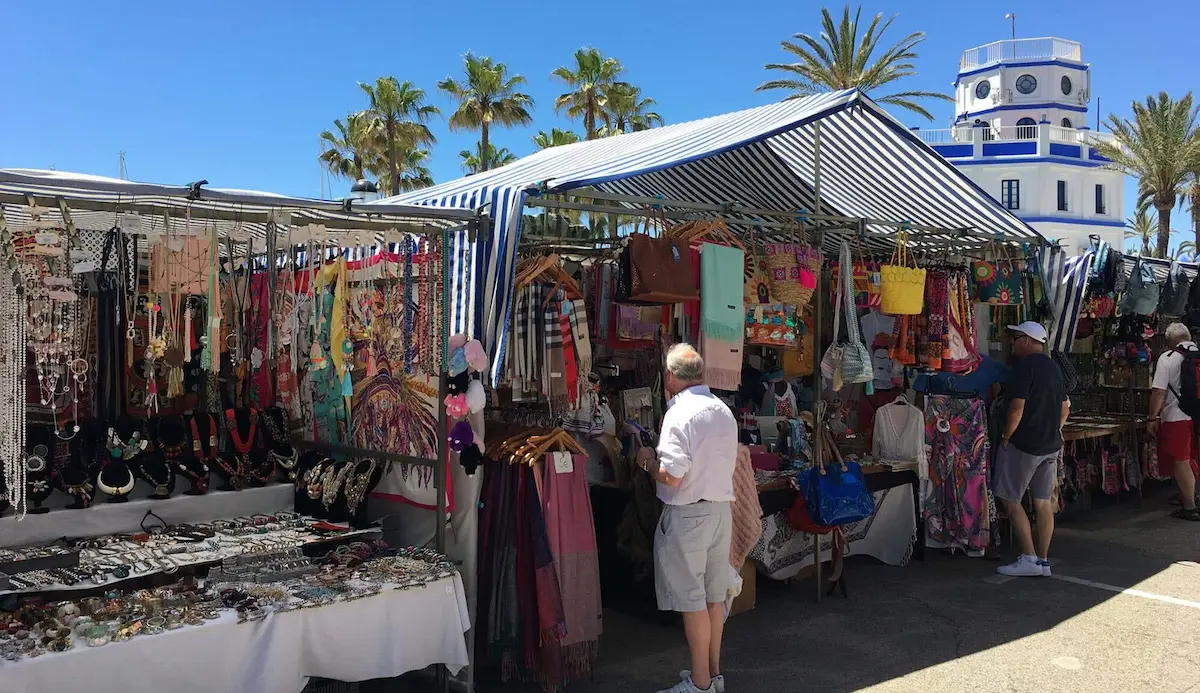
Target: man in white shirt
1176	437
696	455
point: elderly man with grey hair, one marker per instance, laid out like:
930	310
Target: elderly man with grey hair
693	465
1168	420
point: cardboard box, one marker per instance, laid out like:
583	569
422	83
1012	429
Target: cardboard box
745	601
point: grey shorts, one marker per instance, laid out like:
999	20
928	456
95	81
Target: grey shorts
1016	471
691	556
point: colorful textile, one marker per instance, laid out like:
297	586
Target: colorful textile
567	507
956	501
570	368
937	310
721	291
553	363
746	511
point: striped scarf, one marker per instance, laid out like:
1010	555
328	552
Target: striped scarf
1066	285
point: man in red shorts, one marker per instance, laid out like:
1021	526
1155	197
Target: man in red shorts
1176	437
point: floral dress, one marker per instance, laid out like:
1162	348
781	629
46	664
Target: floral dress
956	505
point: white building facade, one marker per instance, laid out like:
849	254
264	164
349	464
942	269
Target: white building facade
1021	133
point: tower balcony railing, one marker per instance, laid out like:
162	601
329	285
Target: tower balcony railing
1011	133
1046	48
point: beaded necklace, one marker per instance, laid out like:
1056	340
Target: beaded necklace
409	249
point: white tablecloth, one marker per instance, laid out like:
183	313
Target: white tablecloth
888	535
122	518
379	636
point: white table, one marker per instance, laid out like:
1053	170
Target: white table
380	636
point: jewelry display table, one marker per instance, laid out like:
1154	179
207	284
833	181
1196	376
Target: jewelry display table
380	636
119	518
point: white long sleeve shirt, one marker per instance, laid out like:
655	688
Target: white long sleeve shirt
900	435
698	444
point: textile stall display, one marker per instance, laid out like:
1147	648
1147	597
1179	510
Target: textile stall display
215	381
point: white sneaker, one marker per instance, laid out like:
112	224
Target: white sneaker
1025	566
718	681
1045	567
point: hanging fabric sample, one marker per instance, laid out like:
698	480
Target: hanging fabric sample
1067	283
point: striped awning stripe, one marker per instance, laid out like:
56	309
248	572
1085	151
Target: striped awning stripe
871	167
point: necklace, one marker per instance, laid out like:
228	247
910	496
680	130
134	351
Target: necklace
197	445
329	490
356	487
236	474
120	490
125	451
312	478
409	248
12	377
161	487
239	444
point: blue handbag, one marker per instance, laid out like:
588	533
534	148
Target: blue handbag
836	494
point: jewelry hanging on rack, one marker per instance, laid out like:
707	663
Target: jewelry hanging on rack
13	312
408	248
241	446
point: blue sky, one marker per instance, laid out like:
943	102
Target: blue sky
237	92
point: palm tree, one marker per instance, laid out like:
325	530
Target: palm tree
1193	202
1185	252
350	149
414	174
1161	147
400	114
628	111
487	95
1141	227
554	138
475	161
590	81
840	60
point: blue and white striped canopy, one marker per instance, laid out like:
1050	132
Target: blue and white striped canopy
871	167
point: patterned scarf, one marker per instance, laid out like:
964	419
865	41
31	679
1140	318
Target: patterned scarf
583	337
554	366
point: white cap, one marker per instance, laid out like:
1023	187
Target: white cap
1030	329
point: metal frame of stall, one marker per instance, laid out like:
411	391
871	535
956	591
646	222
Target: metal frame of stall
783	221
266	212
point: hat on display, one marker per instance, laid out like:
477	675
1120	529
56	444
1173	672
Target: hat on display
1030	329
461	436
458	361
475	397
476	357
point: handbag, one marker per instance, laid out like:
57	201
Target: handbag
901	282
1174	298
831	360
660	270
836	494
801	520
757	287
1141	296
998	281
794	269
856	360
772	325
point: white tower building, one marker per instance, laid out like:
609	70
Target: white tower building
1020	133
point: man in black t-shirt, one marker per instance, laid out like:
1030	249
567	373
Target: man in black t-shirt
1028	454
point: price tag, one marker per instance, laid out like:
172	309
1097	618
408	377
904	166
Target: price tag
564	462
83	267
47	238
130	222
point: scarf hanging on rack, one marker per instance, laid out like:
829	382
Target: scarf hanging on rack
541	609
721	301
554	366
570	367
583	337
1067	281
937	309
571	532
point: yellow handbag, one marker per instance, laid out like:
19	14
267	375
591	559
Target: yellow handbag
902	283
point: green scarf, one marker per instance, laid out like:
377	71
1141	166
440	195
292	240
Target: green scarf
722	312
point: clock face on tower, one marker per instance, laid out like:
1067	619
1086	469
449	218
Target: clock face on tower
1026	84
982	89
1066	85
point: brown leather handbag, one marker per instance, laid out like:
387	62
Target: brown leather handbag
660	270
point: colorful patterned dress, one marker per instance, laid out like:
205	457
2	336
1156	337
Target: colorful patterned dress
956	508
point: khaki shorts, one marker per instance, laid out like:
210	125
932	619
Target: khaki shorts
691	556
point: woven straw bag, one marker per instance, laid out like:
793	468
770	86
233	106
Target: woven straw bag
901	282
794	268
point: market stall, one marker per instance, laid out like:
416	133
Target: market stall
577	321
202	388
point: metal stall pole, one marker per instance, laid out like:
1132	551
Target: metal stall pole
443	450
822	288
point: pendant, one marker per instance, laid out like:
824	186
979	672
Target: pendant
161	491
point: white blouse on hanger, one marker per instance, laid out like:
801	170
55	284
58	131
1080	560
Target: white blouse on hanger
900	435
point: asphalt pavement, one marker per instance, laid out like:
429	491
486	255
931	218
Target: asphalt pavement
1122	613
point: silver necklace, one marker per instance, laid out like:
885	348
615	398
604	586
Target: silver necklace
12	382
